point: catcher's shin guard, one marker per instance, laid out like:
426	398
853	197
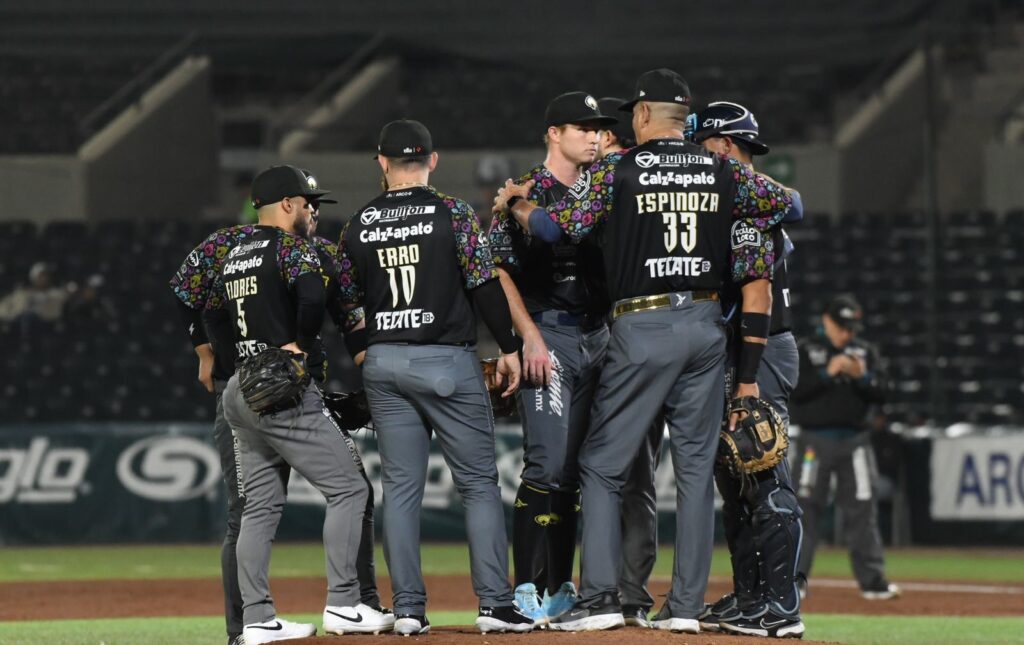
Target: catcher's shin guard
777	536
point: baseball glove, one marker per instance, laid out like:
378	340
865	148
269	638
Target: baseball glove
759	441
273	380
502	406
350	410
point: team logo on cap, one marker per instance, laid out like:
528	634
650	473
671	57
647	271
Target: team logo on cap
311	181
591	103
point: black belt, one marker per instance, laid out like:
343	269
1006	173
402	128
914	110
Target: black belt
585	322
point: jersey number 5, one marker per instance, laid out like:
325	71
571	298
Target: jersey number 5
682	231
243	328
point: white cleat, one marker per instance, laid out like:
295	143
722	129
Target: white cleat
276	629
361	619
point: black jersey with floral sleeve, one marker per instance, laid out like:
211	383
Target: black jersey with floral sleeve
668	208
411	257
548	276
256	285
193	283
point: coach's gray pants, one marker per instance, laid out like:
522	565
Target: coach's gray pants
306	439
411	390
640	521
555	418
662	361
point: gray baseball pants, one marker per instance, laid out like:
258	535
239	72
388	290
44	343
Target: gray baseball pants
413	389
640	521
307	439
671	362
225	442
555	418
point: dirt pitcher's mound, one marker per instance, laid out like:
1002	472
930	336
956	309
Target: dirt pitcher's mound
136	598
471	636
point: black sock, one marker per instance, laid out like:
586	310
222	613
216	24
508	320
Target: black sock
565	513
530	517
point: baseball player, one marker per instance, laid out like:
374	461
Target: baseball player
667	207
418	261
215	350
273	289
762	520
639	504
842	381
549	289
212	334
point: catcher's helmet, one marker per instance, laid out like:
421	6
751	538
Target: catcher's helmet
725	119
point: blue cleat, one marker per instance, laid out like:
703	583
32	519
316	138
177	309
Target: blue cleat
528	603
561	602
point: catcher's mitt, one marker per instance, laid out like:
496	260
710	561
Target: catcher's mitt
759	441
501	406
273	380
351	410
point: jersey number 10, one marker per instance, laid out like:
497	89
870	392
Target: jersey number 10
408	274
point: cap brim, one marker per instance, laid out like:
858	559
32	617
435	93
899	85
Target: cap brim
757	147
628	105
590	120
316	195
326	201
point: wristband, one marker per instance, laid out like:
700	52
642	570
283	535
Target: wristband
755	324
750	358
513	201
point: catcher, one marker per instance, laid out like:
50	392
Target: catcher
760	510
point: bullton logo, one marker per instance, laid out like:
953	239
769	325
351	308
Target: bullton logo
647	159
169	469
396	214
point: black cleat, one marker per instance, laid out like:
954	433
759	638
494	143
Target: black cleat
503	619
636	616
768	624
596	615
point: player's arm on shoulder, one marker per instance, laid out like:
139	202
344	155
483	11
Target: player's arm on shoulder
587	204
758	198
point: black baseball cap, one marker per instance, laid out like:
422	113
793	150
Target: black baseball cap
278	182
846	312
659	86
577	108
623	129
405	138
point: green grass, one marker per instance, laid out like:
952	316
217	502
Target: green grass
296	560
913	630
850	630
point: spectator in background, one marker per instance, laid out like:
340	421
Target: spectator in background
38	302
842	382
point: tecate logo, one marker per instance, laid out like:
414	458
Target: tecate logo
42	475
169	469
647	159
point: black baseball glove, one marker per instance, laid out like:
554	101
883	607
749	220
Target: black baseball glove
501	406
350	410
273	380
759	441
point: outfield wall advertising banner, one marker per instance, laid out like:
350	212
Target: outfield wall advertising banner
978	478
95	483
